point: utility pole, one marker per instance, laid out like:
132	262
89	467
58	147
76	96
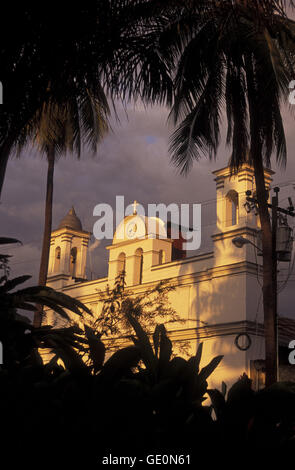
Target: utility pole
271	325
275	354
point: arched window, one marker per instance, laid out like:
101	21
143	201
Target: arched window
121	263
232	208
161	257
56	265
138	268
73	265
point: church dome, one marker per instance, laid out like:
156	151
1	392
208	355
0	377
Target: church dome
71	221
136	226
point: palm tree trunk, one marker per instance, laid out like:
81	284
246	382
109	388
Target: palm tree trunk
269	289
46	233
3	164
4	156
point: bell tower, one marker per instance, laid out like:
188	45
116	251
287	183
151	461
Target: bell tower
233	217
68	252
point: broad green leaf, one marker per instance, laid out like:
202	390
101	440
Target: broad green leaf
207	370
120	361
8	241
223	388
11	284
165	345
145	346
97	348
217	400
195	360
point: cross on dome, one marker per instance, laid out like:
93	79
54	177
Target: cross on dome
135	204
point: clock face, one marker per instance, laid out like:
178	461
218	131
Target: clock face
131	230
135	228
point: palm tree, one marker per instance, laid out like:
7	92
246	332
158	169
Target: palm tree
84	48
234	57
132	46
112	42
55	129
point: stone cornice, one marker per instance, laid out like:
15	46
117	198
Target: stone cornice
245	169
207	332
70	232
138	240
58	276
231	233
180	262
85	284
189	279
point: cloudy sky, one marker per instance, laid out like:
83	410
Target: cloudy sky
132	161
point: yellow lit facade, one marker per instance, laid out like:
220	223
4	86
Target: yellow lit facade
217	293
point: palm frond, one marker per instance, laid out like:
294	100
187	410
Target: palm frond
199	132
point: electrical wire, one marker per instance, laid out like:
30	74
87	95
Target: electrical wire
290	270
213	223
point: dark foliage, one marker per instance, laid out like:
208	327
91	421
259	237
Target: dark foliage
75	414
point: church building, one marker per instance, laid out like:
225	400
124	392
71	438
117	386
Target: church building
217	293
